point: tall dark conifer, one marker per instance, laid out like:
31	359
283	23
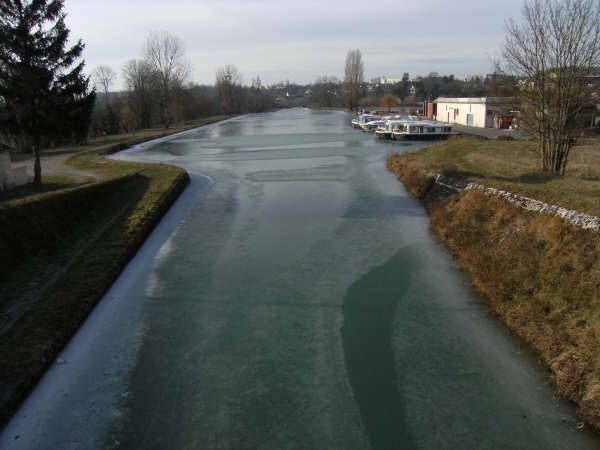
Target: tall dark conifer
44	95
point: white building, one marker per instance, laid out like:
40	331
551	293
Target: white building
385	81
482	112
5	175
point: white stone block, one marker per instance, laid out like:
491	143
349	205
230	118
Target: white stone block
19	176
5	172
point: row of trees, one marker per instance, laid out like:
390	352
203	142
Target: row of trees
431	87
330	92
157	93
326	92
353	91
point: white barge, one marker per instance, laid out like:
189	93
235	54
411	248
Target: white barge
402	127
373	125
362	120
392	125
423	129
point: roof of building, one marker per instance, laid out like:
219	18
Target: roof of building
471	100
428	123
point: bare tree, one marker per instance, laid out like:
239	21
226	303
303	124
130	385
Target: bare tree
104	77
353	78
325	92
141	82
127	119
551	53
257	83
164	54
389	101
229	89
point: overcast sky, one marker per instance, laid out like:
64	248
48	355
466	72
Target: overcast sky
299	40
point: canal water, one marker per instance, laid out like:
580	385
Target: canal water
293	297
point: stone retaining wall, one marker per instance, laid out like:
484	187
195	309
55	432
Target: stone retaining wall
579	219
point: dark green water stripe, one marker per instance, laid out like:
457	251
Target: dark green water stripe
369	307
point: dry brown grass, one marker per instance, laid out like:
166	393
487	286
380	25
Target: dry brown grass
513	166
542	277
540	274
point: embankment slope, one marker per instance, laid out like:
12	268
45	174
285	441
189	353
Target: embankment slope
540	273
64	249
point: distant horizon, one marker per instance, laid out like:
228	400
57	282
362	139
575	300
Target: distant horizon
284	40
247	83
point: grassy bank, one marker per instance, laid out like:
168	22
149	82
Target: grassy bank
540	274
76	174
512	166
64	248
115	143
104	144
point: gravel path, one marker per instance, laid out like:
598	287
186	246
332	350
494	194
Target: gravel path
56	165
490	133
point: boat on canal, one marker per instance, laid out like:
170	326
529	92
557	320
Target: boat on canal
362	119
390	126
422	130
369	122
373	125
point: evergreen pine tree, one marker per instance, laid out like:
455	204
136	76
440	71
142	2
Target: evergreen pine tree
44	95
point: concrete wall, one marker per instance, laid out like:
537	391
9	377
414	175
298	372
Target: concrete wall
458	113
5	172
450	186
19	175
10	177
429	110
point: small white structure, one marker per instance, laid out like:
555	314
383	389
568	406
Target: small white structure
10	177
386	81
5	172
482	112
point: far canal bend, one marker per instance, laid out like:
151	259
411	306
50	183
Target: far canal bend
292	298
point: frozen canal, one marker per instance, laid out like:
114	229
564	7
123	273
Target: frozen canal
293	298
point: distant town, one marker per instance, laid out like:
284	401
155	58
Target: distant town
418	95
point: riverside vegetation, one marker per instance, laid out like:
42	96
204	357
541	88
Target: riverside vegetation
74	239
540	274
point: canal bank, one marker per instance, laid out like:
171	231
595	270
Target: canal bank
535	263
241	327
71	247
72	244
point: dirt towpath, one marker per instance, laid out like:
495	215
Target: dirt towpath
490	133
56	165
